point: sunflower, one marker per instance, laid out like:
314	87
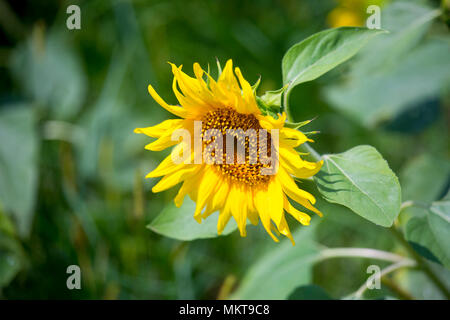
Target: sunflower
234	189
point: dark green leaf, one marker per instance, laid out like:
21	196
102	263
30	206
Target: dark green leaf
424	178
309	292
430	234
11	259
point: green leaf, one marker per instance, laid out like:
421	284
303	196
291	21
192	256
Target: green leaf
439	221
272	99
419	285
421	238
256	85
309	292
179	223
373	99
18	164
430	234
424	178
321	52
279	272
11	259
51	72
447	196
361	180
9	266
267	110
297	125
407	23
393	72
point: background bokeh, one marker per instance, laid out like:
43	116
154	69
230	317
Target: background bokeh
72	187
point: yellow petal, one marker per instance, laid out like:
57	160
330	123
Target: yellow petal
198	71
165	140
162	143
249	96
239	207
252	215
307	205
207	184
166	166
268	122
178	111
283	228
275	200
293	137
301	217
194	93
187	187
221	195
174	178
297	166
227	80
264	213
160	129
224	217
291	189
190	101
304	173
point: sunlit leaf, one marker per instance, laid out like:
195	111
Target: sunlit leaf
321	52
361	180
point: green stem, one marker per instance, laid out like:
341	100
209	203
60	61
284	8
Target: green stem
421	262
286	105
400	292
397	261
406	263
329	253
414	203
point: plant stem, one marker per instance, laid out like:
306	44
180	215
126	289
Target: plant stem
286	105
414	203
401	293
362	253
393	267
421	262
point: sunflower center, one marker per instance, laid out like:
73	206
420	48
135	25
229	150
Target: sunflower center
242	160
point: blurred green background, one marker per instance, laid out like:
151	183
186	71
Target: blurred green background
72	187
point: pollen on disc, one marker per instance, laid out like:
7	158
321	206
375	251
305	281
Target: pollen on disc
225	119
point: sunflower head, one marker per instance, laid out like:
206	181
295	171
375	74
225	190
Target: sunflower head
229	156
